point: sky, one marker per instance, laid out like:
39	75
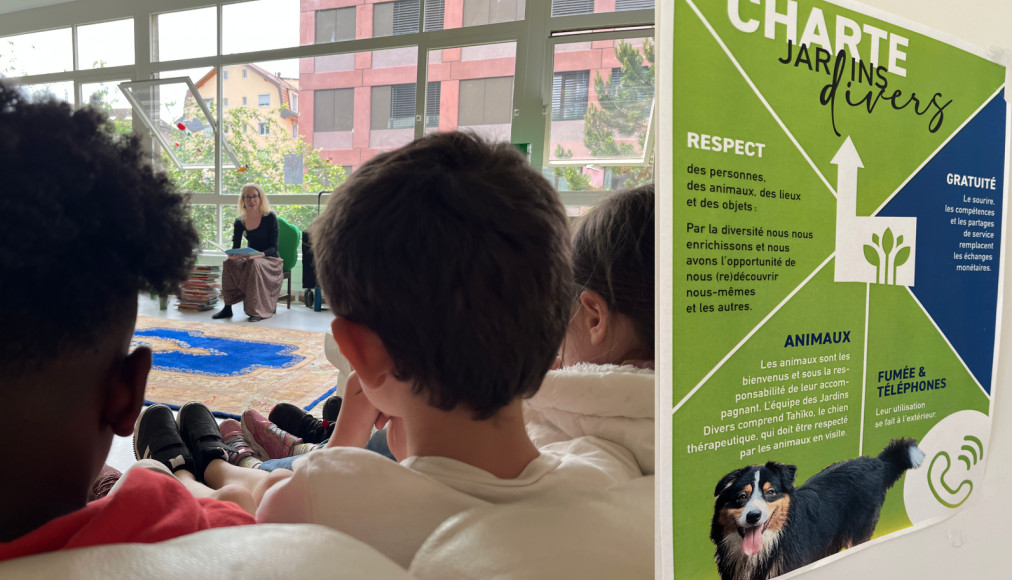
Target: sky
258	25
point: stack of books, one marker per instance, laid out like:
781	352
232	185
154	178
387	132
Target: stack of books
200	291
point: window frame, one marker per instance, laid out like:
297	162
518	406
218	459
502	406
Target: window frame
535	37
127	88
547	80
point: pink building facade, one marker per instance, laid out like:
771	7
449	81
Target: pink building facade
354	106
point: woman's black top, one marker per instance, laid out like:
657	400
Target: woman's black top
263	239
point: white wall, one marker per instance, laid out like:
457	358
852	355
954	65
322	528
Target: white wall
974	543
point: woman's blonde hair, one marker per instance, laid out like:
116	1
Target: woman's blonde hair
265	206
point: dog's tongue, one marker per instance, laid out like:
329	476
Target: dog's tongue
752	541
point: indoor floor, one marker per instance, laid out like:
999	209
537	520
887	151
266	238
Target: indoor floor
299	317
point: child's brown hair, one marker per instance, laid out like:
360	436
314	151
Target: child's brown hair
613	255
456	253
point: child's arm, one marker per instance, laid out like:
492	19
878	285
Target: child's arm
357	417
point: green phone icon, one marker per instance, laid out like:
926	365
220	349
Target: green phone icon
938	471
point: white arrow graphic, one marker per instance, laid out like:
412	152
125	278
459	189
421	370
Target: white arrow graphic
854	232
848	162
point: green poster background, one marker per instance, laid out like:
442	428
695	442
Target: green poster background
729	333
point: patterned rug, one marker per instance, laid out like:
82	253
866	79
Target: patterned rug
234	367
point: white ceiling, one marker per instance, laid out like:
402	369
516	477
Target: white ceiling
7	6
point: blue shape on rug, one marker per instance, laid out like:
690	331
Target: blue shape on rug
194	352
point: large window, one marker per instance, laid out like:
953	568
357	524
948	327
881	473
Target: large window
601	112
260	25
36	53
185	34
105	44
472	87
329	84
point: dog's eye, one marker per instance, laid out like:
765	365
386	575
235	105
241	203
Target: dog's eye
771	492
742	496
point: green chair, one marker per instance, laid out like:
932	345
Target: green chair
288	249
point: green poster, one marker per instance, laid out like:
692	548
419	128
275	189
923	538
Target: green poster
838	183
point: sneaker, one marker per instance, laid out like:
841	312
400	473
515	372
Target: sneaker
239	452
156	436
267	439
199	430
298	422
331	408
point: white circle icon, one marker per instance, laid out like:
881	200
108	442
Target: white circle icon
953	468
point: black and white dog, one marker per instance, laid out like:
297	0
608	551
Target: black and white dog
763	526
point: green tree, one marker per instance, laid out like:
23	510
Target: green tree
100	99
261	162
623	111
573	175
8	61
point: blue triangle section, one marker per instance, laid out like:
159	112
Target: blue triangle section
962	303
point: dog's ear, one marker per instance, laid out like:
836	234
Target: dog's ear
727	480
785	472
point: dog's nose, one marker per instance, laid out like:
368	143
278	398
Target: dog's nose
753	516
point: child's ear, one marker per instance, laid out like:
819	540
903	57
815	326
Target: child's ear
596	316
364	350
125	395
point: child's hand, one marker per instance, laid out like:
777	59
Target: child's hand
357	417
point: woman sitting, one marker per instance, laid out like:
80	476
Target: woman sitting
253	280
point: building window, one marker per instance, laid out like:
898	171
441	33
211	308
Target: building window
393	18
210	102
433	93
265	129
295	130
569	95
244	73
244	101
485	101
335	25
294	98
478	12
224	75
333	110
393	107
634	5
571	7
264	100
224	102
434	15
